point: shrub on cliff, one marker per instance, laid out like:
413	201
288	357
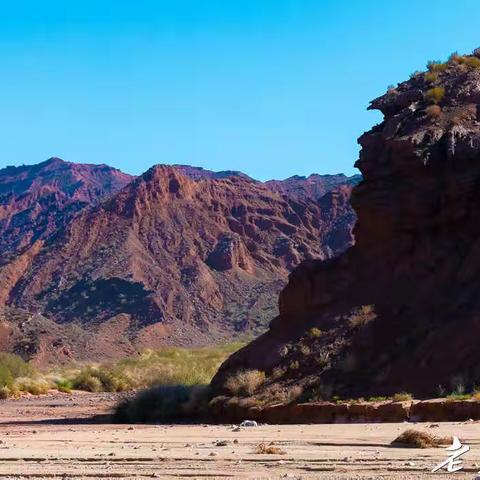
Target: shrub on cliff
362	316
435	94
433	111
431	77
245	382
469	61
437	66
402	397
314	332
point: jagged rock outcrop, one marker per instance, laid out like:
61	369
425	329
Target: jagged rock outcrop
400	310
229	252
179	256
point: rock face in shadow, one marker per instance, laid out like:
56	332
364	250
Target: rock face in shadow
179	256
400	310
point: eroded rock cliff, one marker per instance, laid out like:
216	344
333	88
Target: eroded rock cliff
400	310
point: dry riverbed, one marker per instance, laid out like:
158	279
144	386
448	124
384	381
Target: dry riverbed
52	437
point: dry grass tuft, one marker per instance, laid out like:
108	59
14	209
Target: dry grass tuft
362	316
476	395
437	66
470	61
245	382
315	332
431	77
418	439
34	386
402	397
4	393
269	449
433	111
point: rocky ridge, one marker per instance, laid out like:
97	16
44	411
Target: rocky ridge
37	200
313	186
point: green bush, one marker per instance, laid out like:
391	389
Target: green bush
435	94
64	385
12	367
87	380
6	377
166	366
34	386
17	366
99	379
174	366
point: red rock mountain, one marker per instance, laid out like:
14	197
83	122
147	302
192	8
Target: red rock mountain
178	256
313	186
399	311
37	200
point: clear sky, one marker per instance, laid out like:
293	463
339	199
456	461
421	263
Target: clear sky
269	87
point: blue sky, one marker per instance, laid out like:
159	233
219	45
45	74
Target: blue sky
270	87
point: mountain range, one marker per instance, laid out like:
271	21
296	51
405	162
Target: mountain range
97	264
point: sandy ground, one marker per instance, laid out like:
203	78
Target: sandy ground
49	437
